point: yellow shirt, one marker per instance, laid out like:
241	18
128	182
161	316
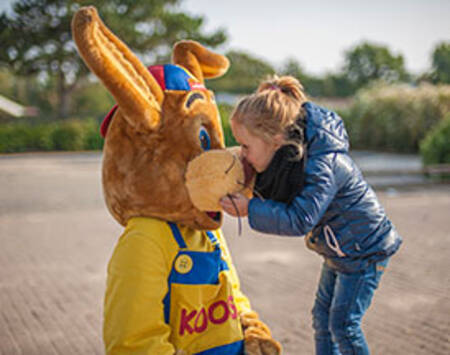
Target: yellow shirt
147	314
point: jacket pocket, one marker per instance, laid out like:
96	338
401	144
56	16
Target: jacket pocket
332	241
324	242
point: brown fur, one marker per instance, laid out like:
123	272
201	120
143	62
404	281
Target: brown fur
143	175
153	137
258	338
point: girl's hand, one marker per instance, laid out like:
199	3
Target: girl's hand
236	208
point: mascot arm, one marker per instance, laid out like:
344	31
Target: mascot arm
136	285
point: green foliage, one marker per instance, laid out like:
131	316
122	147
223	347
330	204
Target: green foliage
42	137
68	136
311	85
367	62
64	135
337	85
395	118
92	101
435	148
244	75
364	64
331	85
72	135
36	37
92	139
13	140
22	138
441	63
6	82
225	114
26	91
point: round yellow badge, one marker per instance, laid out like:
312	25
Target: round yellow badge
183	264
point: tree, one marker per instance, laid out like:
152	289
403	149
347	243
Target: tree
292	67
244	75
330	85
313	86
367	62
25	91
36	37
441	63
7	86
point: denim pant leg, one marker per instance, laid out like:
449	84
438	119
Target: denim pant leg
324	297
352	297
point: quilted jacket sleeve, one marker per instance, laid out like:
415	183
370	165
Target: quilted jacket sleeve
133	311
307	208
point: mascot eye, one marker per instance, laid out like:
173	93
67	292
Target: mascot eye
205	141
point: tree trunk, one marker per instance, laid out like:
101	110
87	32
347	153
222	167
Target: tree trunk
63	104
64	99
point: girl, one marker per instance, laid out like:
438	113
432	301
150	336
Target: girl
307	184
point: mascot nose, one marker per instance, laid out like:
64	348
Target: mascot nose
211	176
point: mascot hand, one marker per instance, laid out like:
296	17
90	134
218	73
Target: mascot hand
257	337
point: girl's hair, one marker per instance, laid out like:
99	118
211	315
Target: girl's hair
274	109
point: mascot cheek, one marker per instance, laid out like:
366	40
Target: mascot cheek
211	176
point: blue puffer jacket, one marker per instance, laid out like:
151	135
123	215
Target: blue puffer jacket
338	210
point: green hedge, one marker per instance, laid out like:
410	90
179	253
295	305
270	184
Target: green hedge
435	148
72	135
395	118
388	118
225	113
385	118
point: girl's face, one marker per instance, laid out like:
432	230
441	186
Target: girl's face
254	149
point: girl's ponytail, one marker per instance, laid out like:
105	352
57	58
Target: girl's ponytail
287	85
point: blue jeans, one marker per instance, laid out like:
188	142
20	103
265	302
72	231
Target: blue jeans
341	301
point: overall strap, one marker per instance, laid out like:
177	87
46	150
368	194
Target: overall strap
177	234
213	239
182	244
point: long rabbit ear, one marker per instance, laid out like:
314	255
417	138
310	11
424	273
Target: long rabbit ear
136	91
201	62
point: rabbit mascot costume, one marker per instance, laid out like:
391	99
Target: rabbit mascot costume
171	284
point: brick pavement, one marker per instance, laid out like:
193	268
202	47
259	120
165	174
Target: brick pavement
56	238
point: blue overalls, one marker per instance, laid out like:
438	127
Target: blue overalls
199	305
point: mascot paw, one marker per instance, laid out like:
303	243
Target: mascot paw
257	337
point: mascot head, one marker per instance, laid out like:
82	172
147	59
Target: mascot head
164	153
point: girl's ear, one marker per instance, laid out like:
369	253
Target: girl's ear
278	140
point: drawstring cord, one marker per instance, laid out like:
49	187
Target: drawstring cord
328	232
236	209
237	213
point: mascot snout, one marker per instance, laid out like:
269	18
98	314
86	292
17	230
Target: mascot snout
213	175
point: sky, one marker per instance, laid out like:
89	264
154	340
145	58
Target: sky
318	32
